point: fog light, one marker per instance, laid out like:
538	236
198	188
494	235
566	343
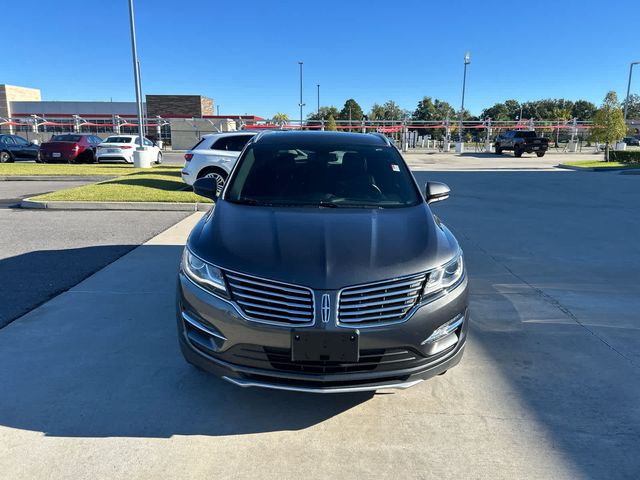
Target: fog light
444	330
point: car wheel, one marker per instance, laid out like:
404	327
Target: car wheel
498	149
517	151
220	177
5	157
159	158
540	154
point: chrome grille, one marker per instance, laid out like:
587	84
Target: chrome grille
269	301
380	302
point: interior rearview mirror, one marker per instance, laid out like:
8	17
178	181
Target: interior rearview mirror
206	187
436	192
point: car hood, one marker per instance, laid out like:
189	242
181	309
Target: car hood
322	248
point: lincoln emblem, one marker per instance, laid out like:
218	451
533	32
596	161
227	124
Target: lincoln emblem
326	308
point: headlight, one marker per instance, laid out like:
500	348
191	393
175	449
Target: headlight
447	276
204	274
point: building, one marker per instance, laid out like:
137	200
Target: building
179	106
10	94
177	120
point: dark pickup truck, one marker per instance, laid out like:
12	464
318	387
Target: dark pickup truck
521	141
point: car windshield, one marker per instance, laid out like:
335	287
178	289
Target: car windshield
118	140
66	138
526	134
363	176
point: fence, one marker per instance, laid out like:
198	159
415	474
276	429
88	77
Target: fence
182	133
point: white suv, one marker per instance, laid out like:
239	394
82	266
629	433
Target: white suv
214	156
121	147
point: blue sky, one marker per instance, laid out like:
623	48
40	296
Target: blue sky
244	54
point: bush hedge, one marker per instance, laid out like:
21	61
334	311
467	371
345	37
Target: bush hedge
625	157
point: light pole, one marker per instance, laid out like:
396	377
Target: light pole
136	77
318	100
464	84
626	102
300	104
218	110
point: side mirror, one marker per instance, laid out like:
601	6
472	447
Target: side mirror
436	192
206	187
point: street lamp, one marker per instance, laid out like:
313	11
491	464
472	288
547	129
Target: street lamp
318	100
464	82
136	78
300	104
626	102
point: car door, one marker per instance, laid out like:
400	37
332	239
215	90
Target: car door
25	149
9	145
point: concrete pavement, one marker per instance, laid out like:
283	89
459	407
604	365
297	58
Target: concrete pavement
93	385
46	252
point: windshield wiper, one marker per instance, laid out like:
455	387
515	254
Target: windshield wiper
251	201
328	204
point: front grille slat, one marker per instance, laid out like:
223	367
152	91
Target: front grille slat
379	303
407	299
275	285
270	301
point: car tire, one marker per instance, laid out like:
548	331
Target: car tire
5	157
498	149
540	154
159	158
517	152
217	173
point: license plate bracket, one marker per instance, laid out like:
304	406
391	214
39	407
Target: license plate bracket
323	346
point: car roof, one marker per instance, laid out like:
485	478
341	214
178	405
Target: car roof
282	137
229	134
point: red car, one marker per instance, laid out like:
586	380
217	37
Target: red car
70	147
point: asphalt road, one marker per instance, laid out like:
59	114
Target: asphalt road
46	252
93	385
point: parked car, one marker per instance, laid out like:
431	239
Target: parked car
521	141
322	269
14	147
632	141
70	147
120	148
214	156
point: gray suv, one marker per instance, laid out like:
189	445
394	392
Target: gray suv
322	269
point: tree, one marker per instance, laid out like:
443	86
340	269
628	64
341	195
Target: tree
428	109
425	110
331	124
633	112
351	111
324	113
280	118
609	126
377	112
583	110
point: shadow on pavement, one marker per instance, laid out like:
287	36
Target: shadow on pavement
102	360
35	277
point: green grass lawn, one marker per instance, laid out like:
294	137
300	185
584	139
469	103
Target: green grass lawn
601	164
65	169
162	184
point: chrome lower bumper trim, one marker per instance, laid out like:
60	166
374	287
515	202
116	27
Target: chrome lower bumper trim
364	388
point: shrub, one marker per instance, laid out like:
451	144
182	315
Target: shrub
632	156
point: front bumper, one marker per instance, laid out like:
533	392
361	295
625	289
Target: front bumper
215	336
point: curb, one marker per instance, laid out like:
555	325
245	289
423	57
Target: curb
56	178
631	171
139	206
592	169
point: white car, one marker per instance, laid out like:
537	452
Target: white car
214	156
121	148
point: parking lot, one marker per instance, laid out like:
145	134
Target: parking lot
94	385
